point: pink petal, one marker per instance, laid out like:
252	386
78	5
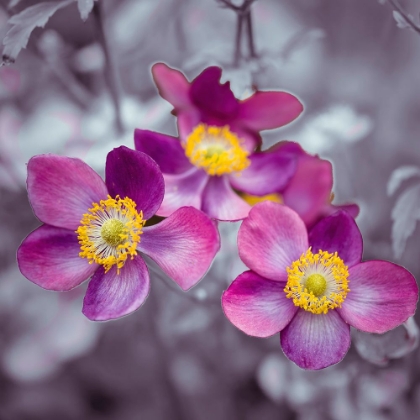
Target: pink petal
270	239
172	85
62	189
165	150
267	110
49	257
221	202
135	175
315	341
257	306
183	190
111	295
183	245
270	171
338	233
187	121
382	296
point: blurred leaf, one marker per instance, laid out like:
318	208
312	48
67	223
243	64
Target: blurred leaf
381	348
24	23
401	22
13	3
405	215
399	176
85	7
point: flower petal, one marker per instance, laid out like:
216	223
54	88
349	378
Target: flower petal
267	110
183	245
382	296
257	306
49	257
172	85
62	189
135	175
215	100
111	295
338	233
269	172
271	238
221	202
315	341
183	190
165	150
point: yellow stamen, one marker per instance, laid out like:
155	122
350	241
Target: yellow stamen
110	232
254	199
317	282
216	149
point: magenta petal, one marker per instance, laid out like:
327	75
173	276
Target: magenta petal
221	202
267	110
212	98
338	233
382	296
183	190
62	189
257	306
187	121
183	245
315	341
165	150
49	257
269	172
135	175
270	239
172	85
111	295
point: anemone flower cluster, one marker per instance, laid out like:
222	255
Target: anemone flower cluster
306	278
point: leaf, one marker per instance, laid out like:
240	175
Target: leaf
401	21
399	176
24	23
405	215
85	7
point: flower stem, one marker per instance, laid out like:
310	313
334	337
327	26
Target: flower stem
250	34
110	72
238	39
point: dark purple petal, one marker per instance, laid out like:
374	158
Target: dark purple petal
221	202
352	209
271	238
382	296
212	98
133	174
250	139
49	257
309	191
338	233
257	306
267	110
183	245
315	341
183	190
62	189
269	172
172	85
111	295
165	150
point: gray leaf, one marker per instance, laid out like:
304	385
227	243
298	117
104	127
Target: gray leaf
399	176
85	7
24	23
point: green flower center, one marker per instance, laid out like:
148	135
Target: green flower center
316	284
113	232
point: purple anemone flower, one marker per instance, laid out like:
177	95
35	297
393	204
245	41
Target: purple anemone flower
96	228
211	182
309	191
311	287
206	101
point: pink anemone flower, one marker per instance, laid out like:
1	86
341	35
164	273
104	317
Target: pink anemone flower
96	228
312	286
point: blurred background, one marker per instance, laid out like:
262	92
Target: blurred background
83	84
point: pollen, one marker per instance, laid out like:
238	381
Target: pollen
110	231
317	282
216	150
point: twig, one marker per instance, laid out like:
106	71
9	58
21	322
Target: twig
401	11
250	33
111	74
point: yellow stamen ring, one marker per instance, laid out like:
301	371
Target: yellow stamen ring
216	150
317	282
110	232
